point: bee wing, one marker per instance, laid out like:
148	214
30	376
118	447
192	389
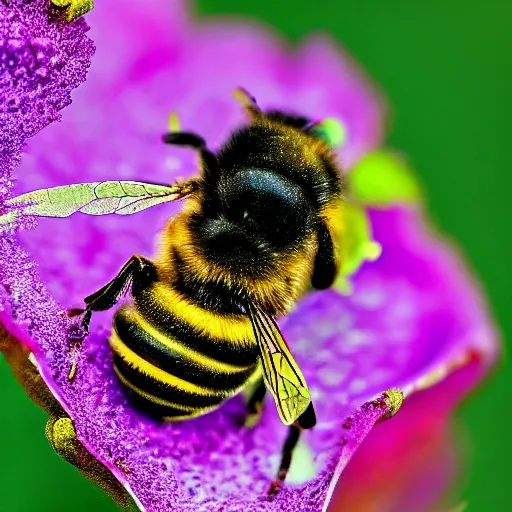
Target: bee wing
98	198
281	373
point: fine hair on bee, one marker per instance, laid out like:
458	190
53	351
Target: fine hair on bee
259	226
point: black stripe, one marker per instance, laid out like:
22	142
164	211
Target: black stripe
155	410
147	347
211	295
163	390
169	325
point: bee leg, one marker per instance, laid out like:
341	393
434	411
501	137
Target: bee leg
138	272
185	139
255	404
305	421
286	457
325	269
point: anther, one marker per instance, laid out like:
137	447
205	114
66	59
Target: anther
246	99
173	123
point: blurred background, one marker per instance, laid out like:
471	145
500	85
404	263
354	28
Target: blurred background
446	70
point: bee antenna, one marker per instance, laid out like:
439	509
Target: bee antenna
210	163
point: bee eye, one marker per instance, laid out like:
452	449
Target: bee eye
236	212
258	198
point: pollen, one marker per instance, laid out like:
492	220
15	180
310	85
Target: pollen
74	8
173	122
335	132
394	399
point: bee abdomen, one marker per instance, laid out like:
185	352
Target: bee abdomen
170	392
167	377
224	338
175	358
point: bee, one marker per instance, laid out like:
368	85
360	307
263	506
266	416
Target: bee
259	227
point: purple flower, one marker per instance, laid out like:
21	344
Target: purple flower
42	60
414	318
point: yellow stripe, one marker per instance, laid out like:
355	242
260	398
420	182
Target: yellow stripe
177	234
237	330
333	215
195	412
181	349
152	371
199	412
148	396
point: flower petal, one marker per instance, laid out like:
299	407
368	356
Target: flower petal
134	39
413	318
114	129
382	178
43	60
396	330
358	106
408	463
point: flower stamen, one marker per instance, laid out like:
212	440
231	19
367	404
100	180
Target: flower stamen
74	8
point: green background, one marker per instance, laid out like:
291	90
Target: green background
446	69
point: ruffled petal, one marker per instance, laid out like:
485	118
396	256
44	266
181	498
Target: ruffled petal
408	463
413	318
358	106
43	59
114	129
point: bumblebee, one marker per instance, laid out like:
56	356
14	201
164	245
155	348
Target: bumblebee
259	226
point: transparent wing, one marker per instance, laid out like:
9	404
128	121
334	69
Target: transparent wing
98	198
281	373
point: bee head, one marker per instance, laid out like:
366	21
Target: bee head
258	213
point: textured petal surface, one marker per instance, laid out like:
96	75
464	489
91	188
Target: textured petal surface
42	59
414	315
408	463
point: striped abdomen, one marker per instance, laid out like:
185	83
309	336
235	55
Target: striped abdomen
181	359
